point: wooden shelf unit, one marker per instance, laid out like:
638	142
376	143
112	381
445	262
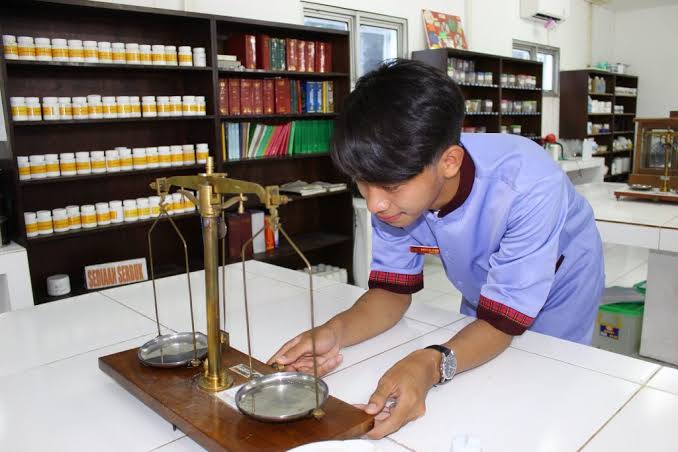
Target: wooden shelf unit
323	224
574	115
530	123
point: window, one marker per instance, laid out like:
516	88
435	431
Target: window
549	56
373	37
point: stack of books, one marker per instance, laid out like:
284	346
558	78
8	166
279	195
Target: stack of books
302	188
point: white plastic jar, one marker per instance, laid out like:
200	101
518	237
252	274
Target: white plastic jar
73	217
124	108
52	165
59	50
38	166
109	106
171	56
45	222
19	108
43	49
163	106
154	204
112	161
185	56
148	107
103	213
31	223
24	167
10	47
199	57
65	108
135	107
164	156
67	164
132	53
76	52
188	154
177	203
95	108
126	162
158	54
130	210
188	106
98	162
177	153
90	51
60	220
104	52
33	109
143	207
88	216
50	108
26	48
145	54
202	152
139	158
152	160
201	105
80	108
118	53
175	102
116	212
83	164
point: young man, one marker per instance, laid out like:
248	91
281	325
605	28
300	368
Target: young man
514	236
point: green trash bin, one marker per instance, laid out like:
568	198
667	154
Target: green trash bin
619	325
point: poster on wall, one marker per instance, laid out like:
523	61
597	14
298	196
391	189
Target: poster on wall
443	30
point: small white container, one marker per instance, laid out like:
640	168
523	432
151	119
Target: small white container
145	54
38	166
177	154
45	222
67	164
60	220
60	50
175	102
188	106
52	165
166	205
88	216
154	205
185	56
171	56
148	107
177	204
110	107
24	166
103	214
158	54
201	105
98	162
202	152
80	110
31	223
95	108
90	51
126	162
43	49
104	52
163	106
26	48
19	108
76	52
113	161
164	156
152	158
65	108
139	158
118	53
73	217
115	208
132	53
58	285
33	109
50	108
83	164
144	208
136	107
124	108
189	154
10	47
130	210
199	57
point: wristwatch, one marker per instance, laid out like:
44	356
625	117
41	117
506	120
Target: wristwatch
448	363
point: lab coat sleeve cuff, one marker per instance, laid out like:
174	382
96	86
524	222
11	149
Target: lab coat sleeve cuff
502	317
396	282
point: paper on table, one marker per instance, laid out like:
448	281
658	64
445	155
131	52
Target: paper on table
228	396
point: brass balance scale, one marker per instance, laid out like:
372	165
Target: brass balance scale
165	372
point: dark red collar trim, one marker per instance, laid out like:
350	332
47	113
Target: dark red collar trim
467	174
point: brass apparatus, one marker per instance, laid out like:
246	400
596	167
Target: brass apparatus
667	138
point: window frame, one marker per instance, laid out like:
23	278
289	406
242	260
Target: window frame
355	19
533	49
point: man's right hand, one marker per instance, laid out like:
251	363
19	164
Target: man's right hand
296	355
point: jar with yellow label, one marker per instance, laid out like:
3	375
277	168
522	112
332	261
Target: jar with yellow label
60	220
43	49
158	54
139	160
118	53
104	52
154	204
185	56
59	50
38	166
202	106
83	164
19	108
103	214
98	162
24	167
67	165
189	154
202	152
130	210
145	54
188	106
135	106
95	108
110	108
65	108
45	222
175	102
112	161
164	156
88	216
144	208
171	56
164	106
76	52
152	158
52	165
126	162
132	53
148	107
177	154
26	48
115	208
31	223
33	109
73	217
50	108
10	47
90	51
80	110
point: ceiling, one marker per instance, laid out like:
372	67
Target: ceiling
629	5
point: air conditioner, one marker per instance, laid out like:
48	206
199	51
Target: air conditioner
544	10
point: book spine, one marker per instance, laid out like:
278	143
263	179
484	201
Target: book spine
301	56
330	96
283	53
250	52
269	96
246	104
264	52
233	96
223	96
310	56
258	96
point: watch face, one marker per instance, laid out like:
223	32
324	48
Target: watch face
448	367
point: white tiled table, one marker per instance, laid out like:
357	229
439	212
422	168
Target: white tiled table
541	394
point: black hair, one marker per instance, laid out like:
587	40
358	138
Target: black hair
398	120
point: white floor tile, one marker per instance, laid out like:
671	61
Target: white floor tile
666	380
184	444
620	259
632	277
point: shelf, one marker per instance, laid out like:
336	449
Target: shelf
281	116
298	74
296	198
518	88
306	242
624	132
56	180
600	114
603	154
100	229
107	66
521	114
625	114
600	94
599	134
107	121
482	113
626	95
277	159
477	85
615	177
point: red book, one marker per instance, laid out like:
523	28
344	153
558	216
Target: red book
269	96
223	96
233	235
258	96
282	95
320	53
264	52
328	57
292	64
244	47
310	56
301	56
246	101
299	100
233	96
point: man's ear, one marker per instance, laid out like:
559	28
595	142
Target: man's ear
450	161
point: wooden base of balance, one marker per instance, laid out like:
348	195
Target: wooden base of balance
647	195
174	394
